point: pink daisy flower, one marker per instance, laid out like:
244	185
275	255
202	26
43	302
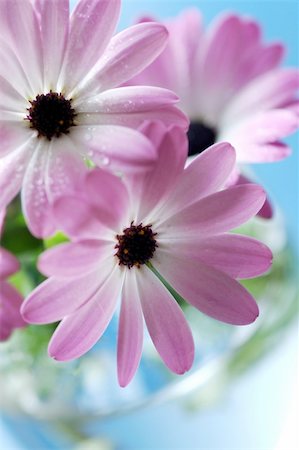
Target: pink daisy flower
61	105
10	298
229	84
164	231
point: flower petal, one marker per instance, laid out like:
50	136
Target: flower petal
238	256
127	99
9	263
35	201
20	28
128	52
117	148
13	136
73	259
152	188
266	212
54	18
65	168
12	169
169	115
12	101
10	304
75	217
10	64
55	169
269	91
57	297
206	174
92	25
130	334
209	290
256	138
166	323
216	213
78	332
109	196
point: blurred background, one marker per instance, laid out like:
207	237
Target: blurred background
251	409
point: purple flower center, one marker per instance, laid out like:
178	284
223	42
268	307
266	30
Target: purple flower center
51	115
136	245
200	137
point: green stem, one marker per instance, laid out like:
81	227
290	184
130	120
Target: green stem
170	289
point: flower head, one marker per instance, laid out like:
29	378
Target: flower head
10	298
229	84
161	231
62	104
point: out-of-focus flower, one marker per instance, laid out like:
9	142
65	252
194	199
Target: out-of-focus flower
160	231
230	85
58	101
10	298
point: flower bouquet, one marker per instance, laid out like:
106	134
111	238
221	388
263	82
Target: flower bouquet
133	231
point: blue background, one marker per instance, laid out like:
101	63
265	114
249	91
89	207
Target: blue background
252	414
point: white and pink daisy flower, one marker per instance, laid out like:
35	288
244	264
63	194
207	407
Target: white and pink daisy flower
59	103
10	298
230	84
160	232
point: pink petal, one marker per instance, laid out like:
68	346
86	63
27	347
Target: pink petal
20	29
264	152
10	317
128	99
12	169
115	147
211	291
92	25
169	115
268	59
75	217
269	91
12	101
35	201
166	323
266	212
216	213
206	174
152	188
256	137
2	218
78	332
13	136
130	333
8	263
55	169
184	45
238	256
54	24
73	259
173	69
11	64
57	297
222	50
128	53
65	169
109	196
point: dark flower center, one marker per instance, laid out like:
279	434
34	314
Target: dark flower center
136	245
200	137
51	115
